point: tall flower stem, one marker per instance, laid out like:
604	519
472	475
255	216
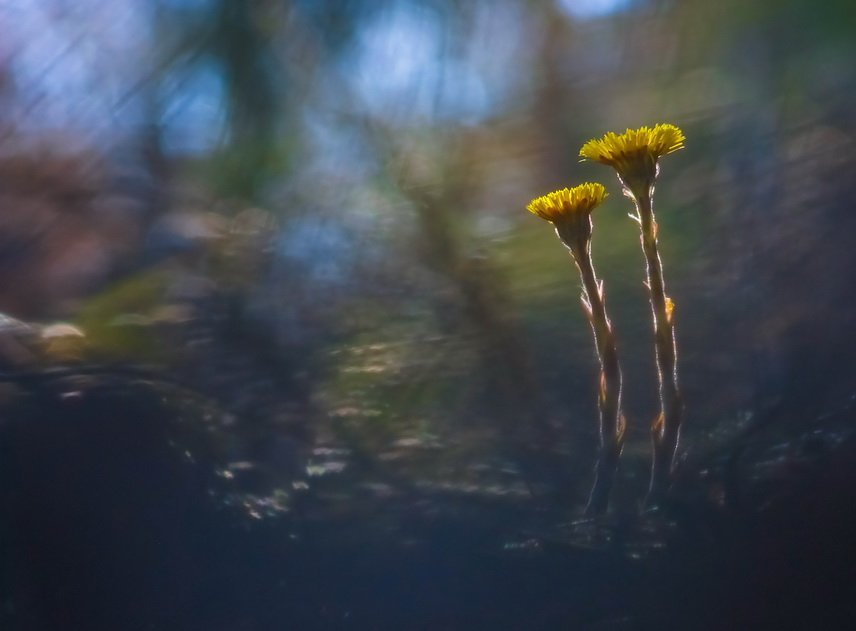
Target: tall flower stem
609	398
665	430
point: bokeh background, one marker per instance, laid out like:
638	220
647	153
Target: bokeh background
312	213
280	344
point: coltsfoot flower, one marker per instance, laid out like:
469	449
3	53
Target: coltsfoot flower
557	205
569	210
634	154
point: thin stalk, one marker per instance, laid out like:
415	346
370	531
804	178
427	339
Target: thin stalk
609	398
665	430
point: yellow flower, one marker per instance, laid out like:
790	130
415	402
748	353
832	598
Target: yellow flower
569	210
568	202
634	153
613	148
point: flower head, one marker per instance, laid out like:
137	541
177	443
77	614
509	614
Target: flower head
634	153
568	202
569	210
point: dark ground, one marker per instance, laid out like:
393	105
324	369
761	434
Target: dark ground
114	518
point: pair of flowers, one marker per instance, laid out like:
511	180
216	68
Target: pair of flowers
635	157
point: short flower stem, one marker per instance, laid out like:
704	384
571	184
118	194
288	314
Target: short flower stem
665	430
609	398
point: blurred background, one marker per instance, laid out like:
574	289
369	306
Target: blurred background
311	214
314	210
276	253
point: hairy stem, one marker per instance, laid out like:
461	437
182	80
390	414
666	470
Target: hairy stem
665	430
609	396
